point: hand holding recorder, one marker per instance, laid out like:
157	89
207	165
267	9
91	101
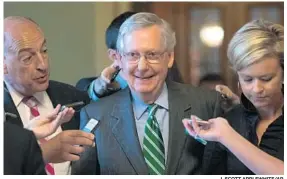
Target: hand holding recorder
66	146
106	83
212	130
43	126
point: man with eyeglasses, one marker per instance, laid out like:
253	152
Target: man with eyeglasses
110	81
140	128
28	93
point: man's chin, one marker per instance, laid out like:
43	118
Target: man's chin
260	104
42	87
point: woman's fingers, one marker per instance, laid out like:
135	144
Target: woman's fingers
188	127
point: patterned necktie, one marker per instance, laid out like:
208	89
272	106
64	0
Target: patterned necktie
153	147
31	102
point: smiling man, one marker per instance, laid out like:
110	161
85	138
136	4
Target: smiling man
28	92
140	129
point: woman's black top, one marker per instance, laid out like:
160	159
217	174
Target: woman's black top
244	118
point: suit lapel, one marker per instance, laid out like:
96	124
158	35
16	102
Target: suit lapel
125	132
10	107
54	95
179	108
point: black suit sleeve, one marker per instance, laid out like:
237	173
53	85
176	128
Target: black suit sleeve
215	156
22	154
34	161
218	110
84	83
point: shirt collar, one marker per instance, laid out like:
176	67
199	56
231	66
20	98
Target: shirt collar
15	95
18	97
140	107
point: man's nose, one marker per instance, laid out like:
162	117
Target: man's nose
42	62
142	63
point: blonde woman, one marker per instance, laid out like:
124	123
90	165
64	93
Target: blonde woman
252	134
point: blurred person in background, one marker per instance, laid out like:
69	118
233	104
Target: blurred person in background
103	85
211	80
215	82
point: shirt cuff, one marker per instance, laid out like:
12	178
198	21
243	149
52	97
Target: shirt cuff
92	93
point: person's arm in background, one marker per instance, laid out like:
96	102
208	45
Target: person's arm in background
227	93
252	157
84	83
98	87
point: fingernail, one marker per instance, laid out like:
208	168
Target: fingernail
94	144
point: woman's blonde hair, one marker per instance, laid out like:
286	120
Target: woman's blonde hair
254	41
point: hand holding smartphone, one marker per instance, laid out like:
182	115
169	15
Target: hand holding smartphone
91	126
115	74
71	105
203	125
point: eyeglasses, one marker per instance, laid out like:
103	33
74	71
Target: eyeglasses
150	57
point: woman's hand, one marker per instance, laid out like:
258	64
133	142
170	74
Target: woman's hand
215	129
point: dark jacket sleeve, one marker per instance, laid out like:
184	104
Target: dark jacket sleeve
215	156
84	83
22	154
35	164
218	110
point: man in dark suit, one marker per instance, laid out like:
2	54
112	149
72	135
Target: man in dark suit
140	128
23	155
28	92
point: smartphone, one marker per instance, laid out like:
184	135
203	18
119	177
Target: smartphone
203	125
91	126
200	122
75	104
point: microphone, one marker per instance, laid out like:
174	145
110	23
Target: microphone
75	104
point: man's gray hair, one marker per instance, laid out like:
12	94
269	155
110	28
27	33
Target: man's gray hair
255	41
143	20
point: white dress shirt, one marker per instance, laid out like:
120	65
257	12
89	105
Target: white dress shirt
45	107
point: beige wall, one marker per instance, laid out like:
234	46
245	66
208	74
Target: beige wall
75	34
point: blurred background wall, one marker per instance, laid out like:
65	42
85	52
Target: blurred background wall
75	33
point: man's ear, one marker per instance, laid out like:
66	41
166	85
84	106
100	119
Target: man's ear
112	54
170	59
118	60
